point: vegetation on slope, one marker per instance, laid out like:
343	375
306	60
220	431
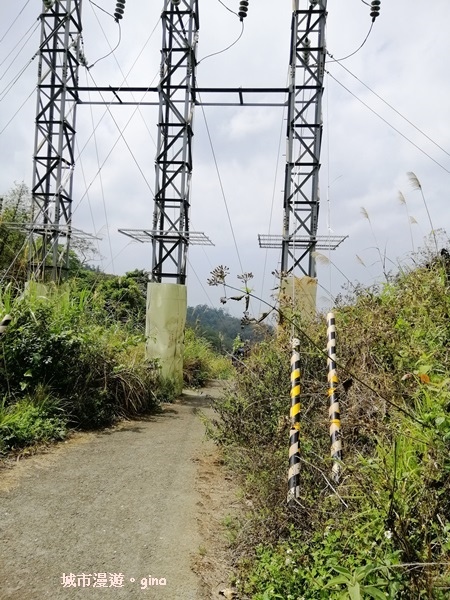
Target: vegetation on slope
73	356
60	365
384	531
220	329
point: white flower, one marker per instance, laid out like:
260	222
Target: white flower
388	534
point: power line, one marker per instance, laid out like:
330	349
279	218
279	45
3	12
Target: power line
101	183
102	9
229	9
12	24
122	136
389	124
201	284
124	81
112	50
17	111
353	53
17	54
221	187
13	81
273	197
394	109
225	49
125	77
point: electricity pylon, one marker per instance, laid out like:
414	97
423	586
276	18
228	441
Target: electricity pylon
54	160
299	239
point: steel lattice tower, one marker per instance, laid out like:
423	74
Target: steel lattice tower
304	136
59	59
170	234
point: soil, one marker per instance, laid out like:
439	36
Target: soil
135	511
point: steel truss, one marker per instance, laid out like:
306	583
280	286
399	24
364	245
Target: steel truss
58	95
180	23
59	59
304	136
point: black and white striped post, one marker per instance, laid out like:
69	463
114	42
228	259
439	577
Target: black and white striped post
294	452
4	324
334	412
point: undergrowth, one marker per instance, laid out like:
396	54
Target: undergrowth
90	374
67	362
201	362
384	531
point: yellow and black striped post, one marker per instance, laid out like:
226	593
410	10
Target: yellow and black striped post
4	324
294	453
334	412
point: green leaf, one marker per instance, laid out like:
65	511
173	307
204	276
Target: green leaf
354	591
374	592
341	579
343	571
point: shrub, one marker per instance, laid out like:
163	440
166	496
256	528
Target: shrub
98	372
201	362
384	531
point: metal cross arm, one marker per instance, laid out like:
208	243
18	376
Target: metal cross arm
201	96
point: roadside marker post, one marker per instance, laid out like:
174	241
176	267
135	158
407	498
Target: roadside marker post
333	396
294	452
4	324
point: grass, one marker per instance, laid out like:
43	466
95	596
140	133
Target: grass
201	362
30	421
92	373
392	507
64	363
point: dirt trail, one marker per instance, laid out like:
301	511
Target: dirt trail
123	504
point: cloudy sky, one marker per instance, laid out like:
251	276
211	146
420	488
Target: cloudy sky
365	153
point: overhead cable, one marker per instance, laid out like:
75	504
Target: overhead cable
221	187
17	111
121	136
13	49
112	50
395	110
225	49
125	77
12	24
390	125
229	9
353	53
101	182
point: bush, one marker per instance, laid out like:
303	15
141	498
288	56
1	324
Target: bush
391	509
98	372
201	362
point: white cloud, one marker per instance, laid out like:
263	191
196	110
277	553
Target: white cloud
364	161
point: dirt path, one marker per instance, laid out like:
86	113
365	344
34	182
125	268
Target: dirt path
111	510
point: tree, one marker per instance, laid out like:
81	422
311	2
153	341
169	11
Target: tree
15	213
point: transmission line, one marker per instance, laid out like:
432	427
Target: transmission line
12	24
221	187
394	109
390	125
357	49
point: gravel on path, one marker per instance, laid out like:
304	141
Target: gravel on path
108	515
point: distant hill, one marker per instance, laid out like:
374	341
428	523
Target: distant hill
220	328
